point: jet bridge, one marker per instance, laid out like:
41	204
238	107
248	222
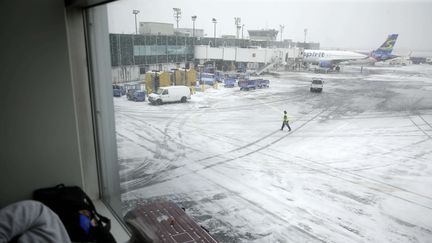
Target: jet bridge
249	55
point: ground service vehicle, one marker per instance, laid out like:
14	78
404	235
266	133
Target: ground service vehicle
120	88
263	83
207	78
117	93
170	94
248	84
317	85
130	94
138	95
229	82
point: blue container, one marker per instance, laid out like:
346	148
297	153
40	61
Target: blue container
248	84
139	95
130	94
263	83
229	82
117	93
207	78
121	89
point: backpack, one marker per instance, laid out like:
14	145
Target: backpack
77	212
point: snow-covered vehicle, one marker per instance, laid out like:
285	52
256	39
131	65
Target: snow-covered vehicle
263	83
138	95
170	94
317	85
229	82
248	84
118	90
130	94
207	78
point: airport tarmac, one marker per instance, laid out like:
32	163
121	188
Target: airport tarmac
356	166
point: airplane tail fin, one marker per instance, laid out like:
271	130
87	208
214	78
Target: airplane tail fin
387	46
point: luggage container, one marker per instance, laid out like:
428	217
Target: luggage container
183	76
229	82
138	95
248	84
155	79
191	77
130	94
263	83
117	93
207	78
219	77
120	90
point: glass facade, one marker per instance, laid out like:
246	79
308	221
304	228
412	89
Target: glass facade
149	49
129	49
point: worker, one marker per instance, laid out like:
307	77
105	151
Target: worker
285	122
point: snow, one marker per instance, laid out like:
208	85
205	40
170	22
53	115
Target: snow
355	168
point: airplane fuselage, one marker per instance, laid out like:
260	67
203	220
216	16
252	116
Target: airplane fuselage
331	58
316	56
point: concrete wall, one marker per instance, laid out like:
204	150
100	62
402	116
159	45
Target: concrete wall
125	74
39	139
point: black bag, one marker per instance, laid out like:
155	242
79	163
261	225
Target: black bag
76	209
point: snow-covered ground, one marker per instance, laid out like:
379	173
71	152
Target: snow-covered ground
356	167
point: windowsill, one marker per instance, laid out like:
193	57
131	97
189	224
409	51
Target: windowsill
117	230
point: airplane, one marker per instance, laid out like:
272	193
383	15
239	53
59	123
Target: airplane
384	52
330	59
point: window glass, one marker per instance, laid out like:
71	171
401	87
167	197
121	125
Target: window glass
345	159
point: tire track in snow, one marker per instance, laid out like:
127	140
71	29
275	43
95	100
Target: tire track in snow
427	123
171	139
259	139
379	183
363	177
419	128
338	171
357	175
205	167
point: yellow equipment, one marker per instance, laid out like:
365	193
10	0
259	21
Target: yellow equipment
181	76
185	77
154	80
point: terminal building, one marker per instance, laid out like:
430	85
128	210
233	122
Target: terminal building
263	35
190	32
156	28
161	47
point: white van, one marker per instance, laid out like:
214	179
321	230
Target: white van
316	85
170	94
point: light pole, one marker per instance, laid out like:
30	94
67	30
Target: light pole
193	28
177	15
237	22
193	36
305	34
135	12
214	29
281	31
242	29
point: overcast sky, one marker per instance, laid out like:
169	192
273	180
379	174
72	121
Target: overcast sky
335	24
